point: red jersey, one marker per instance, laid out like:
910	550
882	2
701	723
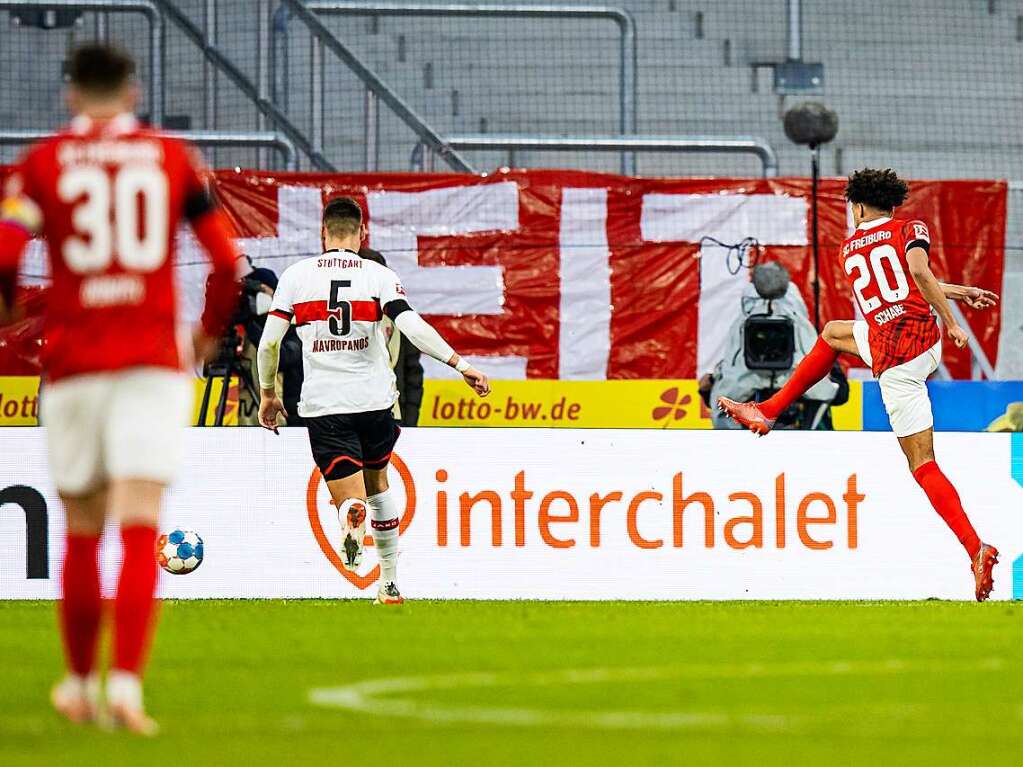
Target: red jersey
108	198
900	322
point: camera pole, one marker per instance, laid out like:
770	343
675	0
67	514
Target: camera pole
815	163
812	124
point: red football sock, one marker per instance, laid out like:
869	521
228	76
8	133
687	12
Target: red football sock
813	367
134	605
945	500
81	606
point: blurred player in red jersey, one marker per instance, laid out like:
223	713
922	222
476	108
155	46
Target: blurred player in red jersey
898	337
108	196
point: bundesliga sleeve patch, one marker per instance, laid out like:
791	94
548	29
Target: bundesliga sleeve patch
917	235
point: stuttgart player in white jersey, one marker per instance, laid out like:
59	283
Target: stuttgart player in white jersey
337	300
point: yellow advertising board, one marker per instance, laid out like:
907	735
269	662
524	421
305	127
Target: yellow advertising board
19	401
659	404
537	403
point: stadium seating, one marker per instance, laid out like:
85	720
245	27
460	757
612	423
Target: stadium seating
559	77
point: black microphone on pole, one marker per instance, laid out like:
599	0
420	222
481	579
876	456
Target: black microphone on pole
812	124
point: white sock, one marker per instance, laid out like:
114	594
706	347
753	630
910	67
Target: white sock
74	684
79	686
125	689
384	518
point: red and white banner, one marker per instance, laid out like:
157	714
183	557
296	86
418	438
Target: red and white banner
575	275
583	275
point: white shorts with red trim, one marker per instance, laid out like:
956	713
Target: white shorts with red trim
126	424
904	387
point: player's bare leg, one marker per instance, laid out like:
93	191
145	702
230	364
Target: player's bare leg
135	504
76	696
349	497
759	417
385	518
919	450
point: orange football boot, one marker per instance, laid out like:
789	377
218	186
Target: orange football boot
983	567
746	414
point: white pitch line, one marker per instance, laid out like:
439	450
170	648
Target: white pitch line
368	696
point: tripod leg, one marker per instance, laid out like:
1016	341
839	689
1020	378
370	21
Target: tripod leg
204	408
245	379
222	404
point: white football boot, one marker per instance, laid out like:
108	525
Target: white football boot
388	594
125	709
77	698
352	514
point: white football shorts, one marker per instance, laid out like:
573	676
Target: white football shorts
125	424
904	387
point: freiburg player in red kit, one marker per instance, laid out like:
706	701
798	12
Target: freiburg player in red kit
108	195
886	260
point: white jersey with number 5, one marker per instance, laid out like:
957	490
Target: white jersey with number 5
337	301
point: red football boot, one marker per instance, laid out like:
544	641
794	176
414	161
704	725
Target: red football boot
746	414
983	566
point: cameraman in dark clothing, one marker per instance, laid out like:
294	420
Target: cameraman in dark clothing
409	374
408	370
260	285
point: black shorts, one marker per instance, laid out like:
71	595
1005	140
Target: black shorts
343	444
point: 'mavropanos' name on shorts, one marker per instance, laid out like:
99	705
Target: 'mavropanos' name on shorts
888	314
865	240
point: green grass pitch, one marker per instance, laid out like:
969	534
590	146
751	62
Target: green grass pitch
532	683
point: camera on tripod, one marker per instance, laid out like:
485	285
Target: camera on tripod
227	362
769	336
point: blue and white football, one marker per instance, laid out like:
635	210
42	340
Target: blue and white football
179	552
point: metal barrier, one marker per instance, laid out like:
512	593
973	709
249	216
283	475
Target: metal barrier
256	94
202	138
627	85
325	39
703	144
148	8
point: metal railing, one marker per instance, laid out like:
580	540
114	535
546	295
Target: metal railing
627	75
202	138
256	94
148	8
668	144
325	39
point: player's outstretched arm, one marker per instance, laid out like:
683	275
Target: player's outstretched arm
428	340
975	298
222	288
20	220
268	358
919	268
13	240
